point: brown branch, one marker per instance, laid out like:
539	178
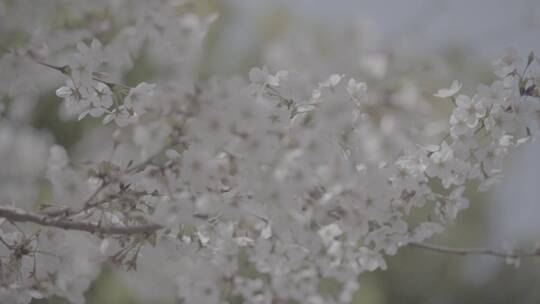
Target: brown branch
514	254
17	216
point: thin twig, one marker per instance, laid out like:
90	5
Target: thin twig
88	203
17	216
61	69
515	254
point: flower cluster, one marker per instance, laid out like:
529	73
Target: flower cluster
256	189
86	93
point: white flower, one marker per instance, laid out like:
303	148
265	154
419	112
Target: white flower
262	77
329	233
138	98
102	96
332	81
68	91
525	112
426	230
458	126
469	110
405	174
445	93
440	164
173	154
94	112
73	94
258	75
357	90
99	100
452	205
462	144
500	122
492	95
90	56
120	115
508	63
370	260
491	157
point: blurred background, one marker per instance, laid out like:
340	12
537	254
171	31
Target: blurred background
440	41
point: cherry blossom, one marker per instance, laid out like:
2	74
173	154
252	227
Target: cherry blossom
258	186
446	93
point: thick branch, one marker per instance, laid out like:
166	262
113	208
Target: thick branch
515	254
91	227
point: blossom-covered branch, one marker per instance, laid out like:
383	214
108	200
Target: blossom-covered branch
300	175
15	215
